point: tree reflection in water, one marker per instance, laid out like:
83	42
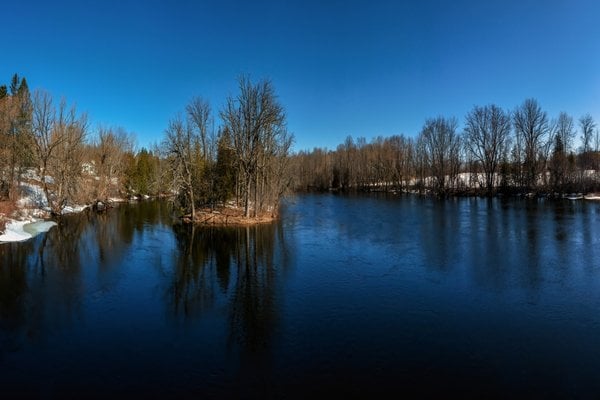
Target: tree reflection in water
235	264
241	268
13	288
40	283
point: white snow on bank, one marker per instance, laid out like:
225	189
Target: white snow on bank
17	231
33	196
73	209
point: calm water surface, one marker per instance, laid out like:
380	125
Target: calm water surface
362	296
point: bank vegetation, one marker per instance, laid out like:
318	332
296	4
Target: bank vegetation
52	159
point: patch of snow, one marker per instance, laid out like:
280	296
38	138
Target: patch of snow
31	173
14	232
88	168
73	209
33	196
18	231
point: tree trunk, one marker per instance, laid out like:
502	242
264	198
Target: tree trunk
247	197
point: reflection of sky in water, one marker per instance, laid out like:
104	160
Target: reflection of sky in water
345	293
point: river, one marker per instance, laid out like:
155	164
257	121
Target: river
345	295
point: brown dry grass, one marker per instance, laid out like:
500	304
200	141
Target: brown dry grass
229	216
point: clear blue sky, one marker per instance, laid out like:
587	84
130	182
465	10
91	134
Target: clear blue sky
361	68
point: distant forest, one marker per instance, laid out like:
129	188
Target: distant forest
521	151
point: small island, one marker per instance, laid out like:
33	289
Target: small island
227	215
238	176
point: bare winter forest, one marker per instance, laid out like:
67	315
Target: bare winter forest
522	151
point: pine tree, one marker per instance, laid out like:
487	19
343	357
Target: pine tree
225	168
3	91
558	165
142	171
14	85
23	89
130	171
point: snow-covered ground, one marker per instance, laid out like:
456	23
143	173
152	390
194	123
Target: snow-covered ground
17	231
28	221
33	197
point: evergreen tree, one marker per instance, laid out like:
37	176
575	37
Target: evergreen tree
14	85
23	89
225	168
558	165
3	91
143	167
142	173
130	171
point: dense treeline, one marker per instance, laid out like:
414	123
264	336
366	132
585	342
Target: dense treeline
497	151
49	144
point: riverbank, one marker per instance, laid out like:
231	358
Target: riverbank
460	192
18	223
30	215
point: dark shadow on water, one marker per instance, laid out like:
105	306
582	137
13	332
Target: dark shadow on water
238	263
238	270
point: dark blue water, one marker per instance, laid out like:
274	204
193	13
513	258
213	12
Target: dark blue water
358	296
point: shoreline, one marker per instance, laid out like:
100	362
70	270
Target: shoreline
457	193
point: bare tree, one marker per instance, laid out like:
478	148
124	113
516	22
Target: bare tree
110	150
487	133
347	163
531	128
565	129
198	111
66	165
441	150
45	144
402	149
275	170
180	144
256	121
587	126
59	136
